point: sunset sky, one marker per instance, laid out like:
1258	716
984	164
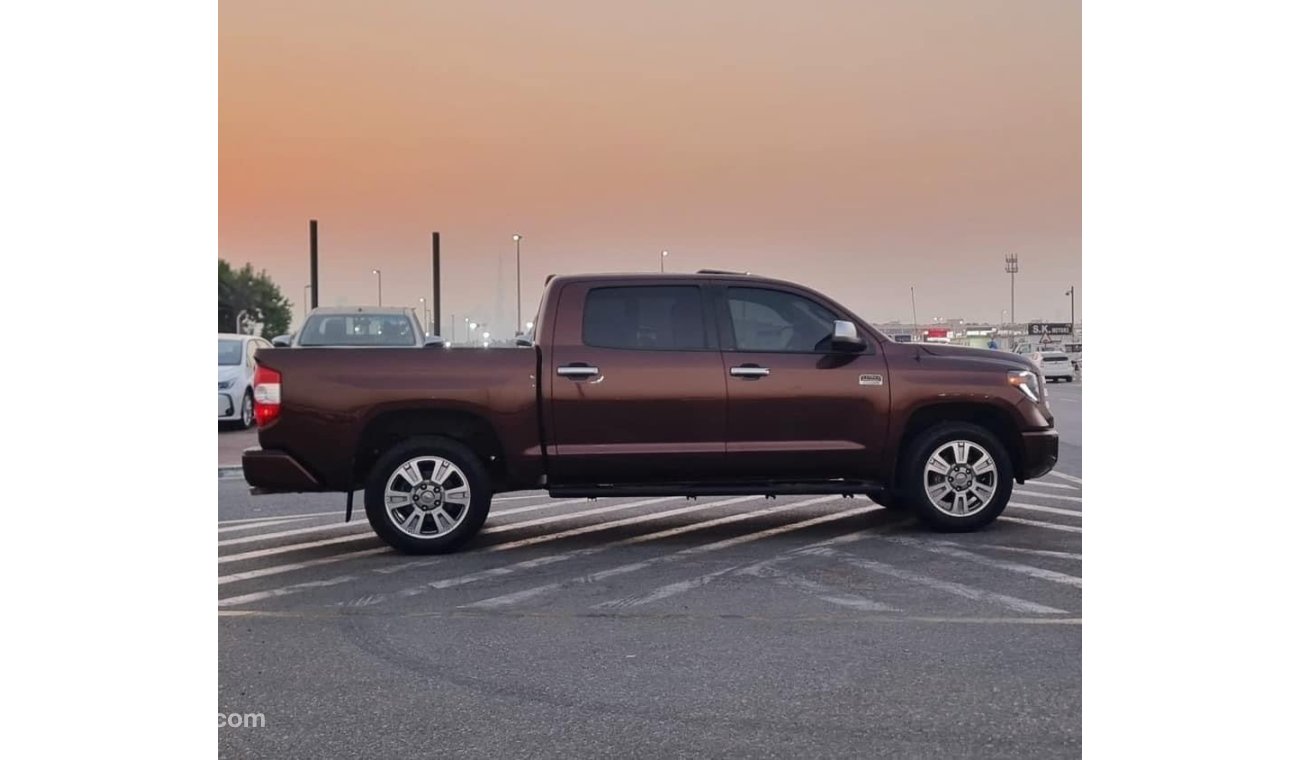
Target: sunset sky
859	147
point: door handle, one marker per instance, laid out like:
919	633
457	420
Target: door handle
577	370
751	371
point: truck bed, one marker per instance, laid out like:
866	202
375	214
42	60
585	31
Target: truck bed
332	397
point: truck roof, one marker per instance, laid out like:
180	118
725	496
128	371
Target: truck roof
360	310
708	274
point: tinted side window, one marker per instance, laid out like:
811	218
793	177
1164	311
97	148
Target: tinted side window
655	318
774	320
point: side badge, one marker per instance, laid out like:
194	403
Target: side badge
871	380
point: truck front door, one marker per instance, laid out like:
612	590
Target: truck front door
637	391
797	408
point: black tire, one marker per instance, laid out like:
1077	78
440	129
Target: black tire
476	477
889	500
245	406
913	478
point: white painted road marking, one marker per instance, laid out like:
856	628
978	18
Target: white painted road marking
1049	510
1022	492
820	590
1050	576
1040	524
950	587
277	569
1063	476
529	593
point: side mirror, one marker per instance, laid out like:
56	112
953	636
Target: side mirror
282	341
845	337
434	341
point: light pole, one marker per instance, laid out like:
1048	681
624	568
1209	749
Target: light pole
424	314
379	281
305	288
915	328
1013	266
663	256
1070	293
519	308
453	329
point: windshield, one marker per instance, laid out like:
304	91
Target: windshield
358	330
229	352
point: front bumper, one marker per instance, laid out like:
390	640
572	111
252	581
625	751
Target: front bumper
277	472
225	407
1039	449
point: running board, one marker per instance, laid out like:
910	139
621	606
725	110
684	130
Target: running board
741	488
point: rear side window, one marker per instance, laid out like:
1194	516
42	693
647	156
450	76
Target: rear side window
653	318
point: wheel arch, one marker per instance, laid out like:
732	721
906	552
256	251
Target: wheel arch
998	421
395	425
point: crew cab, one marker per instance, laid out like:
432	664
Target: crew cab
664	384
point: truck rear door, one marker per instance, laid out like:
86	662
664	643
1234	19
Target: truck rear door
637	388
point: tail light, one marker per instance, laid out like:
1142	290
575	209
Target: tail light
266	395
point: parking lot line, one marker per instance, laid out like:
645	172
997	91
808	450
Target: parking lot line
1040	524
276	517
949	587
819	590
1058	497
255	525
575	515
1063	476
1041	574
530	593
1042	483
256	553
1049	510
541	561
355	525
262	572
548	504
1017	549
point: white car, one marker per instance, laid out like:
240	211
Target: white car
1054	364
235	378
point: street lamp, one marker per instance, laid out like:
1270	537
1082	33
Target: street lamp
379	281
518	300
1070	293
663	256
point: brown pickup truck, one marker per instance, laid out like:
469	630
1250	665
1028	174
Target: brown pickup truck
705	384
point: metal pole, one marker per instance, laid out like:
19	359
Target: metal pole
1070	293
915	329
379	280
437	284
519	303
315	289
305	288
453	328
663	255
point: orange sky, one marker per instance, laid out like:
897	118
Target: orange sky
859	147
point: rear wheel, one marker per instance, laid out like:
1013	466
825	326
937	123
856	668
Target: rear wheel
428	496
957	477
246	411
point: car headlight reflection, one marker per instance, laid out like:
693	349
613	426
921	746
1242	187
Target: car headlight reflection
1027	382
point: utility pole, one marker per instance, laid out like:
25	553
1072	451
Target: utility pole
519	304
915	328
315	287
437	283
1070	293
1013	266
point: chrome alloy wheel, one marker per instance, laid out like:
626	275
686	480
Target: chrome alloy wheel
960	478
427	497
246	411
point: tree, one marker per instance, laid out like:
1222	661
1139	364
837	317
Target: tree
253	292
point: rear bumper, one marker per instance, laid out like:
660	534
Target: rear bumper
1039	450
277	472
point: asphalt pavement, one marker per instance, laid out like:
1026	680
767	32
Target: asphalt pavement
739	627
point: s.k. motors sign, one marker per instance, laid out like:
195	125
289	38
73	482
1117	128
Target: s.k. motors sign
1049	328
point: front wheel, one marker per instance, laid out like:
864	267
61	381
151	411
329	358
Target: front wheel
428	496
246	411
957	477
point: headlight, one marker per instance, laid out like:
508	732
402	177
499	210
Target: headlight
1027	382
224	384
